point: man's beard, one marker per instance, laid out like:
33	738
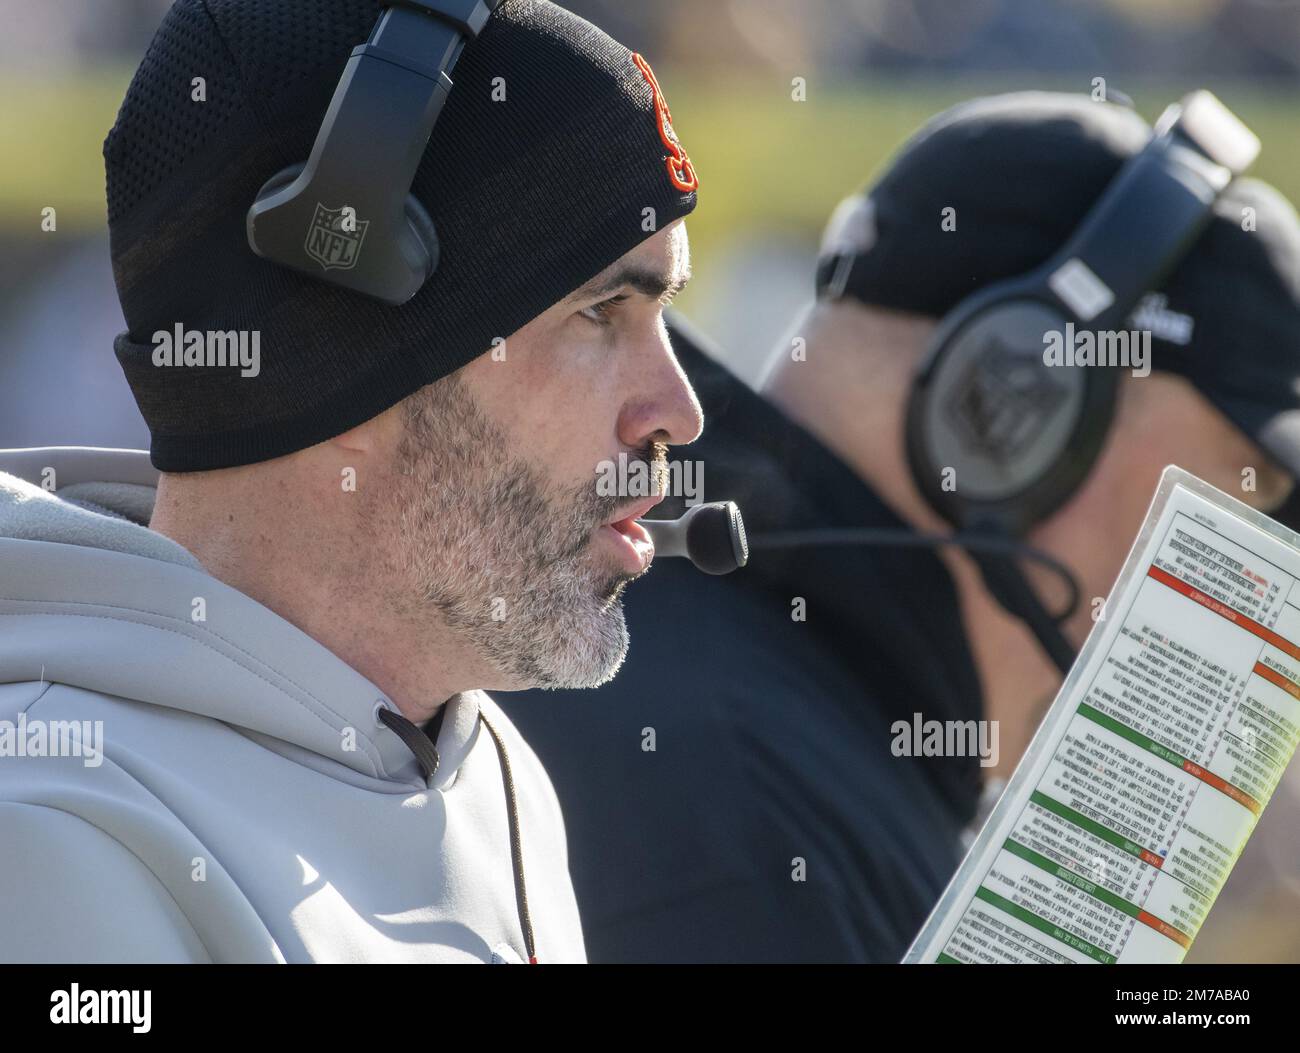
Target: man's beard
509	569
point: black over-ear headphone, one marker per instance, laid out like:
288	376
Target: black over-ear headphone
996	439
1018	434
347	216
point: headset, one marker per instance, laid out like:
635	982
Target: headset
1022	435
347	215
996	439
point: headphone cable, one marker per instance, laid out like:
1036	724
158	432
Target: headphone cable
994	554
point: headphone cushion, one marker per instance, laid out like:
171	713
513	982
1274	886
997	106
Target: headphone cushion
422	227
1018	434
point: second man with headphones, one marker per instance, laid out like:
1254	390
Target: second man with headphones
779	802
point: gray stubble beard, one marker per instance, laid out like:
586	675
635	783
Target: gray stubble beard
505	568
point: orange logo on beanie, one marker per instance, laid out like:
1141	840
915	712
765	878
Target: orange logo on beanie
680	170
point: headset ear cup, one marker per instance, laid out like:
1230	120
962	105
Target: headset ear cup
919	458
425	232
417	218
1017	434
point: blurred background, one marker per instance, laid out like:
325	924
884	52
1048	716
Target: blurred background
771	170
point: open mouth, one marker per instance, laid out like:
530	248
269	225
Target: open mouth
629	538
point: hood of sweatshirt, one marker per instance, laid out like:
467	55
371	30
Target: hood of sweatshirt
72	535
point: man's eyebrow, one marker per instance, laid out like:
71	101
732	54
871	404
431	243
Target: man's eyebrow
639	279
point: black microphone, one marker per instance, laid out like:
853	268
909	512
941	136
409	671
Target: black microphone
712	536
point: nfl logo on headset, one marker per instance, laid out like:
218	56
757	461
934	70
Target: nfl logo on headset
329	244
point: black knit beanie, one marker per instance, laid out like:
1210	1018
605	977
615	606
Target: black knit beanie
1020	171
531	196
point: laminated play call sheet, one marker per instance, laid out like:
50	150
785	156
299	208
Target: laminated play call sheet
1150	770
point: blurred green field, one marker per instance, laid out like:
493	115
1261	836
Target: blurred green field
766	163
51	135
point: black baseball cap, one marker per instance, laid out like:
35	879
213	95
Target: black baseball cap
1019	172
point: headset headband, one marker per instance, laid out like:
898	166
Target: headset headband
1152	212
347	216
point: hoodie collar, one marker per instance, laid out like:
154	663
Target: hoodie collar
108	588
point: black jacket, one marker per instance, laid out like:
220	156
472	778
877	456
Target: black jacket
771	736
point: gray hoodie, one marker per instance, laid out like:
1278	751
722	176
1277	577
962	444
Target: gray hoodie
185	776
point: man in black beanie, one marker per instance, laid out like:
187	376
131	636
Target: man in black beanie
779	817
367	512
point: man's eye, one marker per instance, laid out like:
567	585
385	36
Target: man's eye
599	312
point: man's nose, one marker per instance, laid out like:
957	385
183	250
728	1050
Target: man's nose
662	407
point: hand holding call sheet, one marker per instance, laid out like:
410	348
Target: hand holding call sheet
1149	772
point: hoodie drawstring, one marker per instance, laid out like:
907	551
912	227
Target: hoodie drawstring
426	755
516	844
